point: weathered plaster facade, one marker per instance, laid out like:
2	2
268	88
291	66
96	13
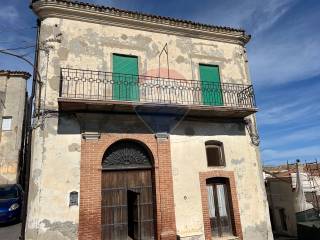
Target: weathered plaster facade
13	87
88	40
189	158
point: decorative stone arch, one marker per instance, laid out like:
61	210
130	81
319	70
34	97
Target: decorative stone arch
127	154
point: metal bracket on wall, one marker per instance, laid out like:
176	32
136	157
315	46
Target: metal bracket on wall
91	135
162	135
253	132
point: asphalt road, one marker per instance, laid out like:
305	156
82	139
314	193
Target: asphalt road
10	232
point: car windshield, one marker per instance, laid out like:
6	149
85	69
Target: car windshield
8	191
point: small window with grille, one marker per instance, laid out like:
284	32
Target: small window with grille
215	153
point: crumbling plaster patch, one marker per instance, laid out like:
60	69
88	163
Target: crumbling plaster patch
53	231
68	229
74	147
258	231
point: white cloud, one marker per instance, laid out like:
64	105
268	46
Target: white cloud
256	15
266	13
294	110
279	61
280	51
309	134
271	155
9	13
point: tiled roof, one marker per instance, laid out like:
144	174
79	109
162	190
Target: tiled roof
23	74
145	16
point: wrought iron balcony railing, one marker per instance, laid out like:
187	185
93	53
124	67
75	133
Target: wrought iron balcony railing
108	86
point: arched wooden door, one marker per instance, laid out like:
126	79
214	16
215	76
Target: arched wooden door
127	193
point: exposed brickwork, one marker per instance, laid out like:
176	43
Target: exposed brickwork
90	184
234	200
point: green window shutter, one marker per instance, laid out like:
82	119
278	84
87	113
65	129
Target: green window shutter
125	77
210	85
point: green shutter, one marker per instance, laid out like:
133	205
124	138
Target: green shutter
125	77
210	85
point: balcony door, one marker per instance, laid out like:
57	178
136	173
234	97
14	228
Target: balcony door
219	207
210	85
125	78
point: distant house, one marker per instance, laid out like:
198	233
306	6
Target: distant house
293	193
146	129
13	95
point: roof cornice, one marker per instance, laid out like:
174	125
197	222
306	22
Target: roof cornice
122	18
21	74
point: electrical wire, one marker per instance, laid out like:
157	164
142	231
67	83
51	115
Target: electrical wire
18	48
16	41
17	29
26	60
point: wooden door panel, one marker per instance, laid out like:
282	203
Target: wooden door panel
125	77
114	206
119	202
210	85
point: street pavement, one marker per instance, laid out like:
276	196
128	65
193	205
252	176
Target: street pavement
10	232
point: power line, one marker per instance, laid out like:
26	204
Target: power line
27	61
27	54
18	48
16	41
17	29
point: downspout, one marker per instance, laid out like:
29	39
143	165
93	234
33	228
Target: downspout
29	127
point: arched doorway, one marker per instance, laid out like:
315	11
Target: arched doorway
127	207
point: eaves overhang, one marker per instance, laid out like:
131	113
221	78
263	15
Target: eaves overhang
9	73
85	12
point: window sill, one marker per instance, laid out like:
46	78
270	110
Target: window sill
226	238
218	166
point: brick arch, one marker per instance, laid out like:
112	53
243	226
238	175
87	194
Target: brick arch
236	222
149	144
139	155
92	152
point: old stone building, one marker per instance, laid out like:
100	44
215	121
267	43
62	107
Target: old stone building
13	95
293	193
146	129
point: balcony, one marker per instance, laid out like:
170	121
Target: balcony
97	91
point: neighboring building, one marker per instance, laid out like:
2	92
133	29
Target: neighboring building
13	96
147	153
294	199
281	200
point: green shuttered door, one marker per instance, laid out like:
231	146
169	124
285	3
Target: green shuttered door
125	77
210	84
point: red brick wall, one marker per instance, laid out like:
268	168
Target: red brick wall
234	200
90	184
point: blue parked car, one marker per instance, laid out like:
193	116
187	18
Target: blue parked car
11	199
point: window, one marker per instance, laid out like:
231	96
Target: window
219	207
6	123
215	153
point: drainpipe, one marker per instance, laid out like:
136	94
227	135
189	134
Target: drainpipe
29	132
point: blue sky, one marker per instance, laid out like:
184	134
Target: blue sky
284	58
